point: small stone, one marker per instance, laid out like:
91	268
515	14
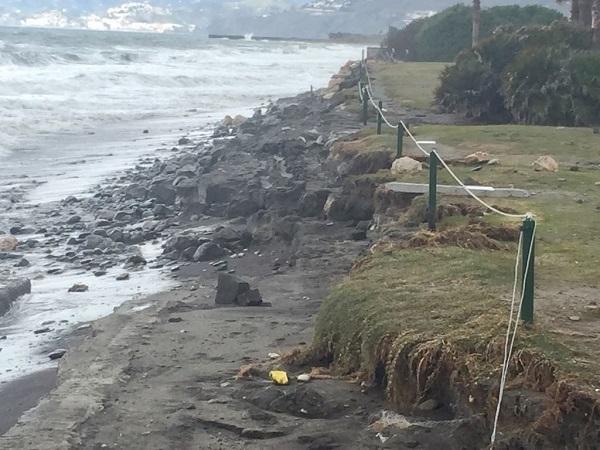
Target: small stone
175	319
42	330
122	277
493	162
79	287
574	318
304	378
57	354
23	263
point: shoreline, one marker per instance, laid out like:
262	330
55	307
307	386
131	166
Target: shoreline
292	259
46	380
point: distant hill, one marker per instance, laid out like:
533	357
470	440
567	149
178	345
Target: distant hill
284	18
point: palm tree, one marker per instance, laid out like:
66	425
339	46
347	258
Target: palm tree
596	21
476	21
585	13
574	10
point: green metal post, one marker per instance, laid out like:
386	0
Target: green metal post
365	110
400	142
433	164
528	269
379	117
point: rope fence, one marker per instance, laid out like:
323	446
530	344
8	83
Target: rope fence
526	247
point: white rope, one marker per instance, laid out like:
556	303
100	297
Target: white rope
378	109
420	147
508	348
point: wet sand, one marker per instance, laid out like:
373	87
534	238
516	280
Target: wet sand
22	394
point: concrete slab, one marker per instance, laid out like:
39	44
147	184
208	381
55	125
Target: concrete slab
480	191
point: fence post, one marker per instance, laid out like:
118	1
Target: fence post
528	269
379	117
400	142
365	110
432	212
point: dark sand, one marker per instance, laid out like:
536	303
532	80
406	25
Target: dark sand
23	394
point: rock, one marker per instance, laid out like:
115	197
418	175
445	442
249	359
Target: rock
70	200
73	220
23	263
57	354
175	319
238	120
136	192
312	203
234	290
184	141
93	241
161	211
406	165
304	378
11	291
122	277
79	287
574	318
477	158
136	260
208	252
8	243
163	191
42	330
546	163
219	193
493	162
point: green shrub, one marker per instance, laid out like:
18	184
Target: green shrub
535	75
443	36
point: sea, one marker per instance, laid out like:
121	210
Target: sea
78	106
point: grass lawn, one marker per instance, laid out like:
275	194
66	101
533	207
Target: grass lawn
462	296
408	84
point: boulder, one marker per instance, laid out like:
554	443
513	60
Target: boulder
136	260
477	158
93	241
312	203
12	290
136	192
79	287
73	220
163	191
208	251
8	243
219	193
546	163
406	165
234	290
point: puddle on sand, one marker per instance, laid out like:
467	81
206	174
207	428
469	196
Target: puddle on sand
50	306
